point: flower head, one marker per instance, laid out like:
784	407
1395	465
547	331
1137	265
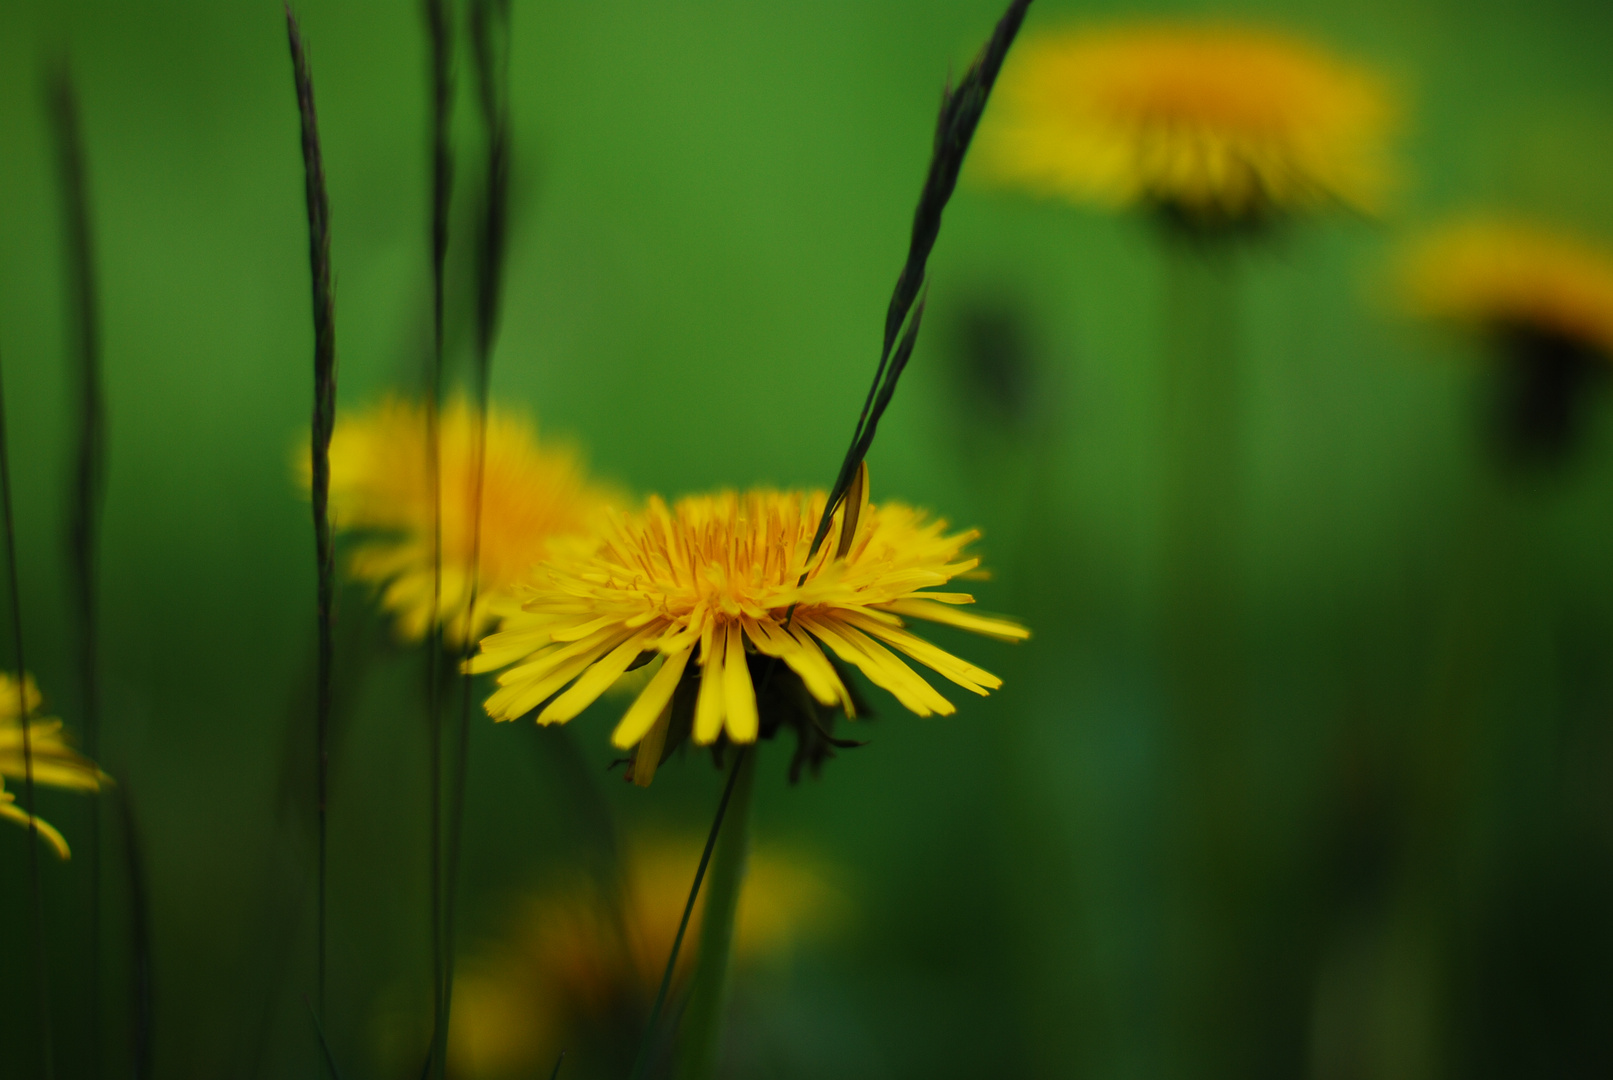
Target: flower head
1546	300
54	762
533	497
580	963
1507	276
721	587
1214	126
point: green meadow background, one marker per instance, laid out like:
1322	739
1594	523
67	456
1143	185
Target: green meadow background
1411	871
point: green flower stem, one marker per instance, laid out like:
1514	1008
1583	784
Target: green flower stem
1204	655
702	1018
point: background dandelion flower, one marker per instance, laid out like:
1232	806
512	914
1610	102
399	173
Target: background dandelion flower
1211	125
716	580
1544	299
1499	275
55	763
580	963
533	496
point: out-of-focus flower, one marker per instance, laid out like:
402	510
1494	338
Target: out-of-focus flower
534	498
725	580
1544	298
1502	276
1215	126
581	964
55	763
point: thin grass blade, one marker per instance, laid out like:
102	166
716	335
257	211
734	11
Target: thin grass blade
89	471
641	1063
490	41
324	421
961	109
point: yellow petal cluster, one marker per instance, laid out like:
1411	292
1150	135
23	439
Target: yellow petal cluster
1496	274
717	577
1218	124
532	497
55	763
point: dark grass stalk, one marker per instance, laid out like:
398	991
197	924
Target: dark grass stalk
490	42
646	1047
324	420
961	109
141	978
1205	651
279	881
89	473
37	911
440	43
559	1061
701	1024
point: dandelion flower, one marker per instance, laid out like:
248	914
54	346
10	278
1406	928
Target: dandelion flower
721	587
1507	276
533	497
580	964
55	763
1214	126
1545	299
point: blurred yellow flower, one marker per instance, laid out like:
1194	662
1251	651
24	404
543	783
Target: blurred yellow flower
55	763
533	498
1498	275
1213	125
581	965
725	580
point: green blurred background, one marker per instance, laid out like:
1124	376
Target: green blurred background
1415	870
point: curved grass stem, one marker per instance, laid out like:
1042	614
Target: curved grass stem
702	1018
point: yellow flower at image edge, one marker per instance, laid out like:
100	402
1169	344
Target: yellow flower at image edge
55	763
714	580
533	497
1500	275
1219	125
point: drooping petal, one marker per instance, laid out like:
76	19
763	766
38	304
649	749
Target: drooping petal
738	693
881	666
647	755
710	705
651	702
971	678
47	832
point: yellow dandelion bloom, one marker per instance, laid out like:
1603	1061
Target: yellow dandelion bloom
579	965
55	762
534	496
1510	276
1215	125
717	583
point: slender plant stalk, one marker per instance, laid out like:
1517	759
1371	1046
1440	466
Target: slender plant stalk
702	1017
646	1048
440	42
961	109
490	34
89	475
1206	663
140	968
37	913
324	420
